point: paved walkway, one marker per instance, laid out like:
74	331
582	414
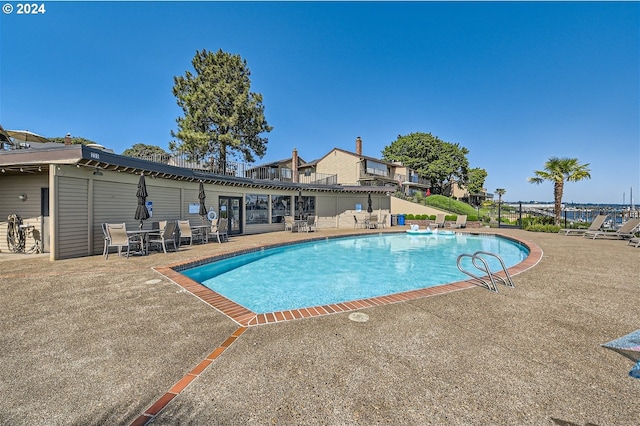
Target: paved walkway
89	341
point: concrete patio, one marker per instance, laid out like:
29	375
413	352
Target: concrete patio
92	341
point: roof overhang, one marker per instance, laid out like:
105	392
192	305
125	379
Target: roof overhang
32	160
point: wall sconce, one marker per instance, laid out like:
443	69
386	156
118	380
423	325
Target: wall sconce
22	197
97	172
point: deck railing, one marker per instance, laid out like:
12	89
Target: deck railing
234	168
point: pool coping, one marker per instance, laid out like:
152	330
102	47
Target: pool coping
247	318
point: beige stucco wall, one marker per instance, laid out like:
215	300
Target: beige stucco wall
342	164
399	206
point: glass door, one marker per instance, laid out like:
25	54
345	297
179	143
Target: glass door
231	211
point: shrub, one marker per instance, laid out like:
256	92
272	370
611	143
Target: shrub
451	217
432	217
410	216
537	220
537	227
472	218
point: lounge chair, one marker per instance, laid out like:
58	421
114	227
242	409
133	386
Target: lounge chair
461	222
596	225
634	242
439	223
165	236
625	231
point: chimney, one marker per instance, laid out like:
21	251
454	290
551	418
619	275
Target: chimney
294	165
67	139
358	145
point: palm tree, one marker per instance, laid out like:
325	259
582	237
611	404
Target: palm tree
559	170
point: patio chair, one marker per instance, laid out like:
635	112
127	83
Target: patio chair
596	225
288	223
626	231
185	231
357	223
117	237
165	236
372	221
107	240
461	222
439	223
382	222
219	230
311	224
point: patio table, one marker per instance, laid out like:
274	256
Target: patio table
298	224
201	230
144	238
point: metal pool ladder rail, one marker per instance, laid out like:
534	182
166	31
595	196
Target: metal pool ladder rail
481	264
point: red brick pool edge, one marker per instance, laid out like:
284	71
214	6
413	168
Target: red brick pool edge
246	318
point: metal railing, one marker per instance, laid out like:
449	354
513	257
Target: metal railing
234	168
482	265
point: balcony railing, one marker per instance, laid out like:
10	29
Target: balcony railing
413	179
233	168
286	175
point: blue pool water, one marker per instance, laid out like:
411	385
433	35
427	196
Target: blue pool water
343	269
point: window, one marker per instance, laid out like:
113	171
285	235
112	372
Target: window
378	169
280	207
257	208
305	206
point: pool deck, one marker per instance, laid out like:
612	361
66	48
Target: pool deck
94	341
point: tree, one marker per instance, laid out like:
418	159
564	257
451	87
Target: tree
477	177
222	118
559	170
142	150
500	192
74	140
434	159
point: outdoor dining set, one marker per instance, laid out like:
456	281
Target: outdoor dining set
163	235
370	221
300	224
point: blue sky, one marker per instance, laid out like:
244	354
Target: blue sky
515	83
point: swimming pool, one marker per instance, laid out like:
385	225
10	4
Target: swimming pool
330	271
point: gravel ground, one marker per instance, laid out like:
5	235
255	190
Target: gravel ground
93	341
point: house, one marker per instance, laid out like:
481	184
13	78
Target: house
354	168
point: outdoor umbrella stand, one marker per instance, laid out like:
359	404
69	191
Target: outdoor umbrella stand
141	211
203	208
300	206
